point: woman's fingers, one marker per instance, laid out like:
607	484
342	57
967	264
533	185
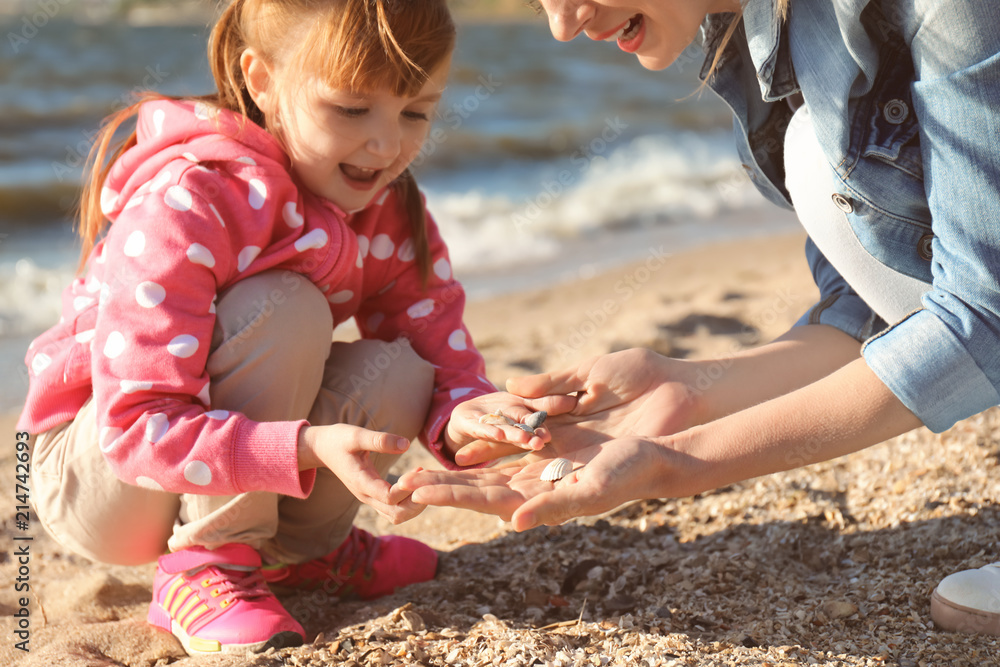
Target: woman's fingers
566	381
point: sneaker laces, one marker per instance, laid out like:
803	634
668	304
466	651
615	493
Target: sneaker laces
234	587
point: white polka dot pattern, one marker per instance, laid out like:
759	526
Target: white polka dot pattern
258	194
203	395
161	179
85	337
364	245
292	217
133	386
198	472
217	216
457	341
40	362
442	269
199	254
135	244
81	302
159	116
382	247
407	251
218	415
459	393
341	297
109	199
114	345
108	438
246	257
183	346
420	309
157	427
178	198
315	239
150	294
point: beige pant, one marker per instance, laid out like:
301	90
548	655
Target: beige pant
273	333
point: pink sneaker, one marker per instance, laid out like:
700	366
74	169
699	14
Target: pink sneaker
216	601
364	566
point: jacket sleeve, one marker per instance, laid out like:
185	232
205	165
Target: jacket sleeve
165	255
431	320
942	361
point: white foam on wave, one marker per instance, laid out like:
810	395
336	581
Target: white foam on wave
650	181
30	296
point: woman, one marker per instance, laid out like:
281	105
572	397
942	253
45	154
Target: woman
878	122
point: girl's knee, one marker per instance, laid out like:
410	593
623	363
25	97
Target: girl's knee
277	306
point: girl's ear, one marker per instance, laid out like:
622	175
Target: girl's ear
257	74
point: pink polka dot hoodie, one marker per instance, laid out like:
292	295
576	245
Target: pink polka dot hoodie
202	201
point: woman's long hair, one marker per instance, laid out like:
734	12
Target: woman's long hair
357	45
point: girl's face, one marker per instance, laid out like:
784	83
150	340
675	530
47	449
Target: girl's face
345	146
656	31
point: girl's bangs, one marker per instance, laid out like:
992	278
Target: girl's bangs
354	48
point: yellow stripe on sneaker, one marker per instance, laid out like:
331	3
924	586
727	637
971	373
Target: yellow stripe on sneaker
179	616
204	645
182	596
193	616
169	597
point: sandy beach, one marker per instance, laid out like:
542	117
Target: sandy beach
829	565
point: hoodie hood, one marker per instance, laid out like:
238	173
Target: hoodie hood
168	130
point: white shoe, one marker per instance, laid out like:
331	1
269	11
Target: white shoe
969	601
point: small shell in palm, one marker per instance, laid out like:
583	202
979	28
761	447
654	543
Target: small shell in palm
556	470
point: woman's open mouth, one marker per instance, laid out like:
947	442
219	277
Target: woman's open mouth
360	178
631	36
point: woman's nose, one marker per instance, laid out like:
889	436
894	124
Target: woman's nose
567	17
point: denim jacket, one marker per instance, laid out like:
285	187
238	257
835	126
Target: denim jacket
905	100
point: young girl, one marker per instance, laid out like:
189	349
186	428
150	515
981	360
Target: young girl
190	398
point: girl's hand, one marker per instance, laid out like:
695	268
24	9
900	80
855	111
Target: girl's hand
345	451
476	433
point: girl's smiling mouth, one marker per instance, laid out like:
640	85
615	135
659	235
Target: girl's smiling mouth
360	178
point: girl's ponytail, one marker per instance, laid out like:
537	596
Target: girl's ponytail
225	48
413	205
91	218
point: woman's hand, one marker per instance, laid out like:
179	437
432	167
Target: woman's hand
630	393
345	451
604	476
476	433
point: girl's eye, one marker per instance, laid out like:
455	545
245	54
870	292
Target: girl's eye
351	112
415	115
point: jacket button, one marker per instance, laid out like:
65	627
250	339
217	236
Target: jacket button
843	203
924	248
895	111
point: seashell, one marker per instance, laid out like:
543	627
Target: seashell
526	428
497	417
536	419
556	470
